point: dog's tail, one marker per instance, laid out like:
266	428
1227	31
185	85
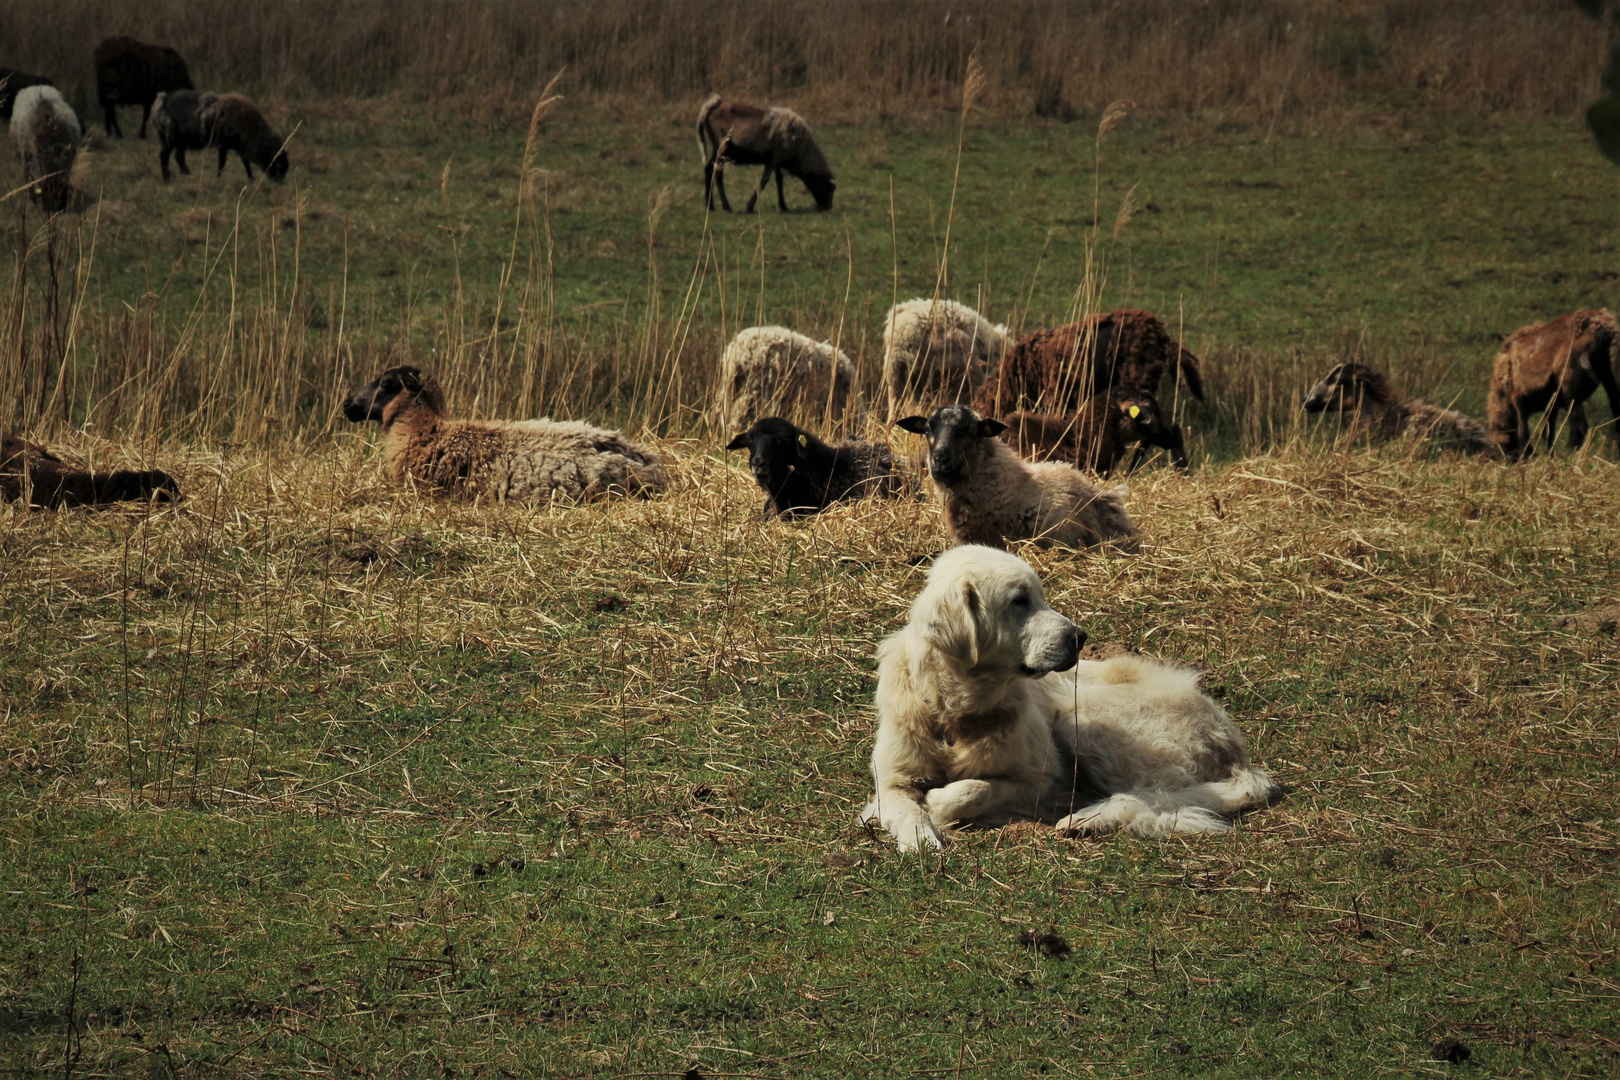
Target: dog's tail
1160	812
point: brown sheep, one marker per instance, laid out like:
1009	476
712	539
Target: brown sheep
1370	407
1548	366
47	480
235	123
1056	371
777	138
1099	435
130	72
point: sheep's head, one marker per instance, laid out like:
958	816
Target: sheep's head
278	166
821	189
1346	388
772	442
372	400
954	435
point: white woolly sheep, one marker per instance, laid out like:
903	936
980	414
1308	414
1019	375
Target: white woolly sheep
937	352
503	459
773	371
46	135
991	496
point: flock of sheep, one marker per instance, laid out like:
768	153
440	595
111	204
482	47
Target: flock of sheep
46	133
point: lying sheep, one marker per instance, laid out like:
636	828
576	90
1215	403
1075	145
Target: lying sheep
1550	366
1099	435
800	474
46	135
130	72
1371	409
772	370
11	84
991	496
1057	370
177	117
232	122
937	352
48	481
503	459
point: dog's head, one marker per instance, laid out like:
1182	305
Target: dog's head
954	435
1345	388
985	609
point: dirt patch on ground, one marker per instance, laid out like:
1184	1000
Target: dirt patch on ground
1599	622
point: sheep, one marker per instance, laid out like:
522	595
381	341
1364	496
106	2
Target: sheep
1097	436
937	352
29	469
800	474
1550	366
515	460
177	117
777	138
130	72
1370	407
771	369
1057	370
991	496
46	134
232	122
11	83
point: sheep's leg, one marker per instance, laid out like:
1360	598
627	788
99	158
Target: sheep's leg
1578	426
708	185
720	184
1550	419
781	200
222	155
110	119
246	167
180	160
163	161
146	114
764	178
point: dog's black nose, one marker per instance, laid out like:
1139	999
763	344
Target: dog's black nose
1079	639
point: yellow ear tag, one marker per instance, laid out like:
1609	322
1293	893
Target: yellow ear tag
1136	410
803	440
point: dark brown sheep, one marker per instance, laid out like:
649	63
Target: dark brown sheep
1550	366
235	123
1370	408
1056	371
10	83
47	480
177	117
1099	435
777	138
130	72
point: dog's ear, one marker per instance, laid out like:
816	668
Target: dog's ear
917	425
953	624
739	443
989	429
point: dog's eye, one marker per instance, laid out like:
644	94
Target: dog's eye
1021	600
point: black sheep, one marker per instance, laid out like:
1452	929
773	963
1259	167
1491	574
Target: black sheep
13	81
800	474
130	72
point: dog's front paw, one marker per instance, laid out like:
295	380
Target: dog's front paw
873	810
1088	822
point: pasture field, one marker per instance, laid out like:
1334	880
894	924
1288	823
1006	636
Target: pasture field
307	776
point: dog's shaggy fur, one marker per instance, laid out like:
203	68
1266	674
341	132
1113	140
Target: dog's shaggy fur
986	715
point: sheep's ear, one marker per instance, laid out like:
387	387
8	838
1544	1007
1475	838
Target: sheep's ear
989	429
804	443
411	378
739	443
917	425
953	625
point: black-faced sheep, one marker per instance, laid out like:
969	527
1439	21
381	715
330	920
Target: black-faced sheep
937	352
1056	370
770	370
1551	366
12	83
232	122
130	72
1371	409
46	136
47	480
777	138
1099	435
177	117
991	496
519	460
800	474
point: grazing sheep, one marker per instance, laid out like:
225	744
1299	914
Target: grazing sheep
772	370
1097	436
177	117
991	496
504	459
46	136
47	480
937	352
1550	366
1370	407
12	83
800	474
130	72
1057	370
232	122
777	138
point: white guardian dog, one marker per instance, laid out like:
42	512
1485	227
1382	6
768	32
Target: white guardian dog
987	715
